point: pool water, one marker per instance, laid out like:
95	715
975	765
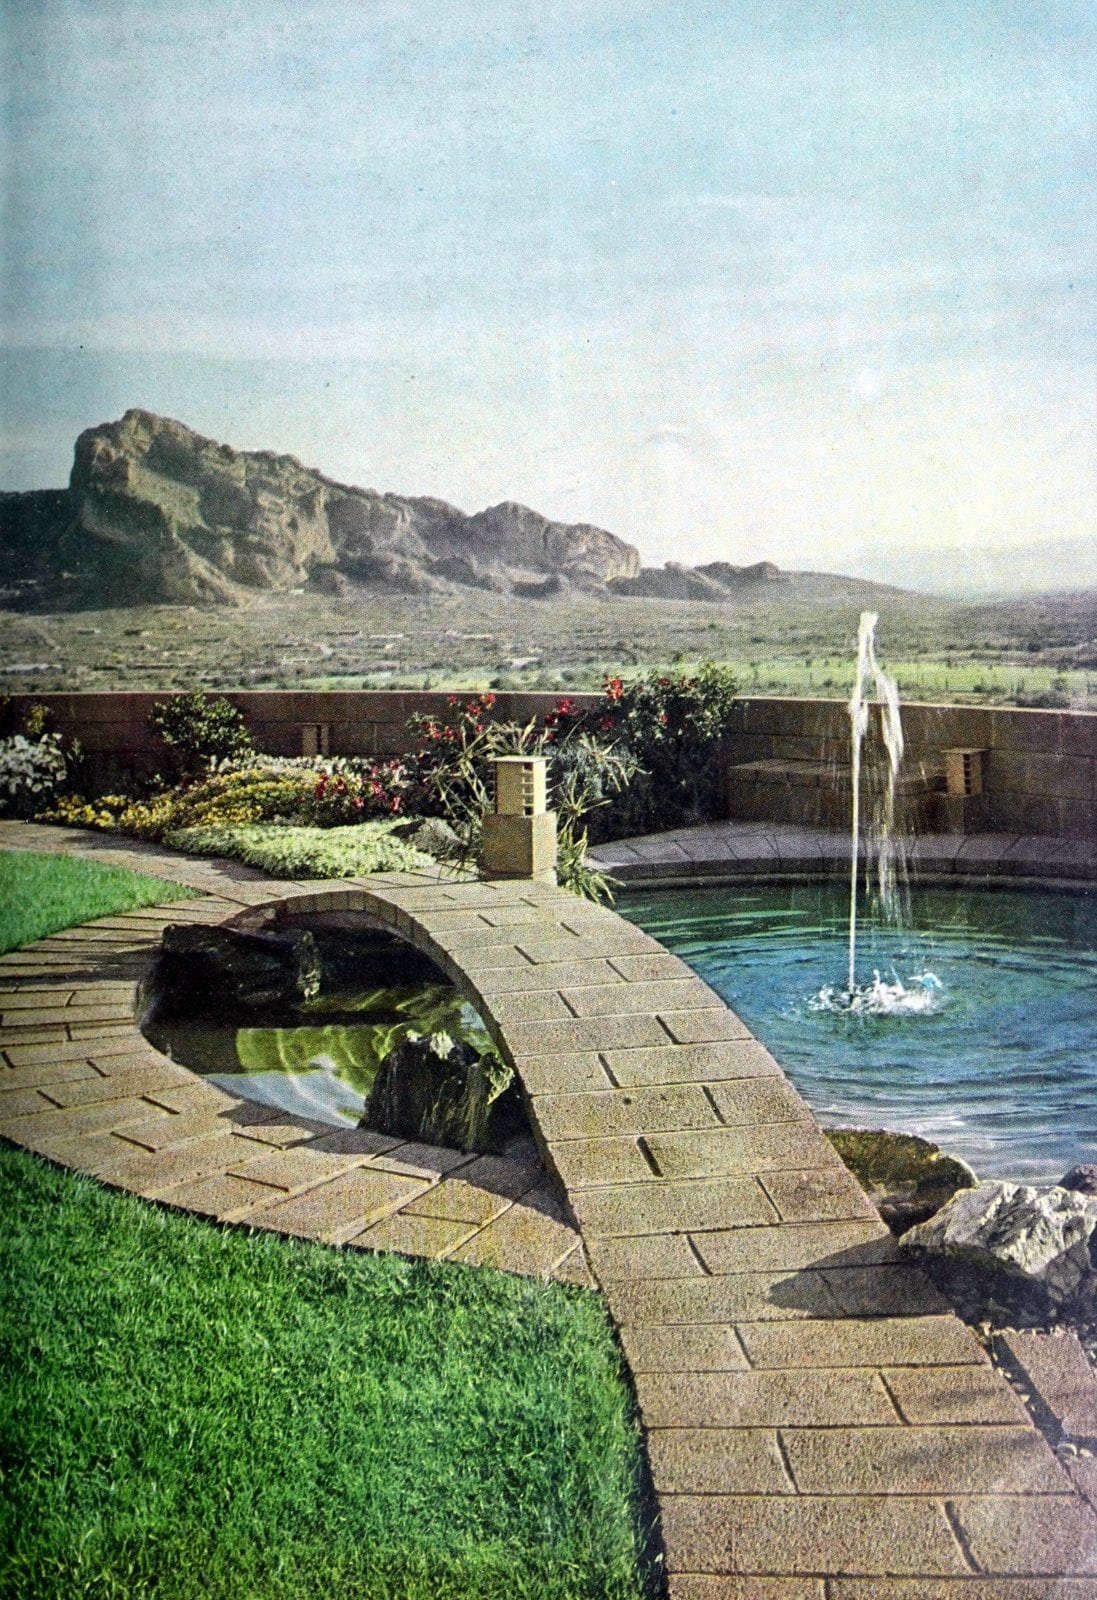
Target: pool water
998	1063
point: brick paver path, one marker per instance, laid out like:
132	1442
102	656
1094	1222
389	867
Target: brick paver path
819	1425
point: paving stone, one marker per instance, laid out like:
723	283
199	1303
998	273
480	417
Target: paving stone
954	1394
33	998
222	1196
960	1589
658	1255
17	1037
527	977
336	1212
300	1167
457	1201
621	941
751	1101
42	1073
796	1534
422	1160
150	1173
795	1246
661	1207
821	1398
701	1347
742	1297
160	1132
25	1103
707	1586
889	1291
574	1269
355	1142
1029	1533
520	1240
703	1026
542	1005
933	1461
587	1163
433	1237
650	968
914	1341
1055	1367
47	1015
99	1033
701	1063
561	1074
502	1175
623	1111
201	1096
818	1195
1083	1475
120	1085
715	1460
583	1033
773	1146
72	1123
280	1133
676	994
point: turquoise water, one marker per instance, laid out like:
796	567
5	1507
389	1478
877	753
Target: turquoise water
999	1068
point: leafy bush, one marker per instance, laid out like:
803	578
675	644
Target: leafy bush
295	852
669	729
199	731
267	789
32	771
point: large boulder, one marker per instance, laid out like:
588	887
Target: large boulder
232	967
1038	1239
905	1177
444	1092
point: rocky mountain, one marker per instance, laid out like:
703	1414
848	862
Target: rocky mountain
156	514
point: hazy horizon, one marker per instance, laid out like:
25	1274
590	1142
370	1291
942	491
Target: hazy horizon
786	286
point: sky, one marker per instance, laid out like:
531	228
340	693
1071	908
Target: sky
803	282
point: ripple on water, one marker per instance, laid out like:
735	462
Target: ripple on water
995	1059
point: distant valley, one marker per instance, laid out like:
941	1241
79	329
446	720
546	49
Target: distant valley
174	562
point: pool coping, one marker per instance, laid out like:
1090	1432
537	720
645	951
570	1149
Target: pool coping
819	1424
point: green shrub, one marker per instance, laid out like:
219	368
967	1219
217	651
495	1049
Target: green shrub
199	731
670	728
294	852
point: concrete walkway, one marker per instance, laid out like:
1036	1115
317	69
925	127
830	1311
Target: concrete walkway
819	1425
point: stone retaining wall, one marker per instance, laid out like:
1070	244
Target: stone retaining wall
1039	771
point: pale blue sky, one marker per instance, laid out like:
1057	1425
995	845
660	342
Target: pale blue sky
798	281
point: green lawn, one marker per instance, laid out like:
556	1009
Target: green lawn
197	1413
40	894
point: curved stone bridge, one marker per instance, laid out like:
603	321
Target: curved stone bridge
819	1425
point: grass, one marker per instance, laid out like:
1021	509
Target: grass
195	1413
40	894
297	852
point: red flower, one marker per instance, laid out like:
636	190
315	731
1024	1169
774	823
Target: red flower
614	689
607	723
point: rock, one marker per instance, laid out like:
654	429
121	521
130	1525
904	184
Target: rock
445	1093
1040	1238
1083	1179
906	1178
157	513
436	838
239	968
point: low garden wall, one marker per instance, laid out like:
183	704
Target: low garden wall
1038	769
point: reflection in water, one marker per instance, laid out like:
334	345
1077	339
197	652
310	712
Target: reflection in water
995	1060
320	1069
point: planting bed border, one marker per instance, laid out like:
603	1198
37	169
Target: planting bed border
819	1425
